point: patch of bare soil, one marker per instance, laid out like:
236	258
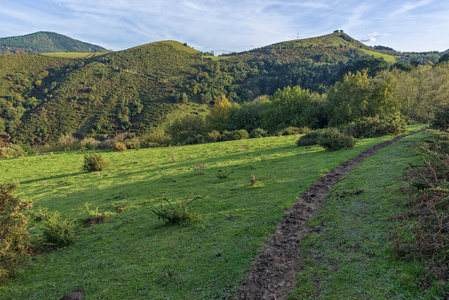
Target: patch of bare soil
273	273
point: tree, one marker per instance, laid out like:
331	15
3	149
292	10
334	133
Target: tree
359	96
220	114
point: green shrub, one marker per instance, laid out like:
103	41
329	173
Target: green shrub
118	146
258	133
132	145
11	151
309	139
94	162
58	233
241	134
440	120
332	139
15	238
90	146
213	136
376	126
293	130
177	213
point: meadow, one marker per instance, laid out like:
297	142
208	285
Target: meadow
133	254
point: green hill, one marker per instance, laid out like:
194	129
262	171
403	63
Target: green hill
132	90
43	42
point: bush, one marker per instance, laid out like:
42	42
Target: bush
178	213
376	126
94	162
293	130
15	238
11	151
118	146
132	145
309	139
241	134
441	118
213	136
258	133
58	233
332	139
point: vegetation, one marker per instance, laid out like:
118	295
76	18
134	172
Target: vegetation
14	236
237	215
332	139
350	252
94	162
42	42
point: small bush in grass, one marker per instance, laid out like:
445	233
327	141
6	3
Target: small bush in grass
176	213
258	133
198	169
94	162
293	130
332	139
58	233
309	139
118	146
222	174
14	236
441	118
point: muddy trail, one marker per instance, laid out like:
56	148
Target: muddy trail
274	270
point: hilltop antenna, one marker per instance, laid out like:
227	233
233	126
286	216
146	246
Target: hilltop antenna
297	36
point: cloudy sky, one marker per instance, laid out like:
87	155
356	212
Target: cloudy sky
231	25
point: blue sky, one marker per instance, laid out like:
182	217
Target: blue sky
231	25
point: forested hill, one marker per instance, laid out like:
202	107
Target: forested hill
132	90
45	42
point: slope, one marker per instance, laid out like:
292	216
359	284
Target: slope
132	90
43	41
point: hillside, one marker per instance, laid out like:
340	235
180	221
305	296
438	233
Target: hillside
132	90
45	42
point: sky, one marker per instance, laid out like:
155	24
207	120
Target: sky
231	25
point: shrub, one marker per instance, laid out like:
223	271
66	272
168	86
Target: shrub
177	213
213	136
11	151
293	130
258	133
441	118
15	238
58	233
376	126
132	145
94	162
309	139
118	146
198	168
241	134
332	139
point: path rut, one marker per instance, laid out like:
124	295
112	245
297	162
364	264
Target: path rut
273	273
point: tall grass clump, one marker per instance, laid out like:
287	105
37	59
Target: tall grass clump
14	235
176	213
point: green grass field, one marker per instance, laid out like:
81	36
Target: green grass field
134	255
386	57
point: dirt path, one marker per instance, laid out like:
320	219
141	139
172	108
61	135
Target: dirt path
273	274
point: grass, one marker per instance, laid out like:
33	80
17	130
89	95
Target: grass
133	254
386	57
350	253
75	54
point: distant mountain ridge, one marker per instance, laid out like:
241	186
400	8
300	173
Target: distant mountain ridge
45	42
